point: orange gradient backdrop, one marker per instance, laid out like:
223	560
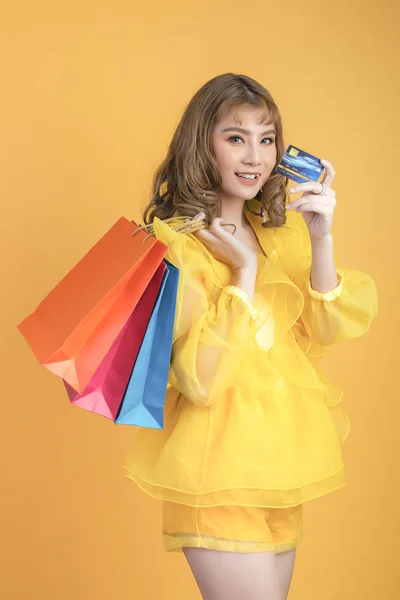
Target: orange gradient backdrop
91	94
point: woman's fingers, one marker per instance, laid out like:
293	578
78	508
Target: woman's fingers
216	223
202	234
199	217
214	232
329	174
217	229
206	236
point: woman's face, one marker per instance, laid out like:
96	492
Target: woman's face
243	146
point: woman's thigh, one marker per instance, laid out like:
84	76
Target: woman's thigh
235	576
285	565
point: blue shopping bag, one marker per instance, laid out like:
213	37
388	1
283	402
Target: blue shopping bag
144	398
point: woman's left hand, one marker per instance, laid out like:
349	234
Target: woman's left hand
317	210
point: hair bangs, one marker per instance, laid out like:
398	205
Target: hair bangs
234	106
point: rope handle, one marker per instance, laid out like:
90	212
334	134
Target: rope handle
189	226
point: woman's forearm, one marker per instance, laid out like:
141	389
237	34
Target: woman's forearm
323	270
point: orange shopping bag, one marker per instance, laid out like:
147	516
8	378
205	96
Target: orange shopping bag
76	324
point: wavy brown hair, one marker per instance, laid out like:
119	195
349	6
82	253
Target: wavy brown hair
186	181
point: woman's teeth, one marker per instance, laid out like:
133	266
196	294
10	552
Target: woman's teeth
247	176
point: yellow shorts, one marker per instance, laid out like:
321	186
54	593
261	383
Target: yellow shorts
231	528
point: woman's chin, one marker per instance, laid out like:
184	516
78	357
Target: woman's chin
241	194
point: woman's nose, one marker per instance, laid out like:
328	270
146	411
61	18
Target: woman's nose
253	155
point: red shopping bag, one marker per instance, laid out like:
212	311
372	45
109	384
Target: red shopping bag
105	391
74	327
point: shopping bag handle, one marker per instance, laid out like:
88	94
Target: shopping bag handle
188	226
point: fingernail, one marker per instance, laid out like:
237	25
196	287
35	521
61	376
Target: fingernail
292	189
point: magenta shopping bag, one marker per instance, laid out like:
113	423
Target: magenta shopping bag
104	393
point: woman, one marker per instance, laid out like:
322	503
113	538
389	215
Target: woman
252	425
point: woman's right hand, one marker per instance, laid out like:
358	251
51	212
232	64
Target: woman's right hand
224	246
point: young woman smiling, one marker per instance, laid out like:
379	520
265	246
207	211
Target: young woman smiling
253	429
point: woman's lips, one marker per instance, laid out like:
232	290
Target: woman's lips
248	181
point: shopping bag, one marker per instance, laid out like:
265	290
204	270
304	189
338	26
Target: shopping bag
72	329
144	399
103	395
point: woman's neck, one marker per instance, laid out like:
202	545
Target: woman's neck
232	212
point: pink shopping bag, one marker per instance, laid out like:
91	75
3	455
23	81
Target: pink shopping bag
104	393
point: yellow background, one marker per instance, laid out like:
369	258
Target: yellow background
91	93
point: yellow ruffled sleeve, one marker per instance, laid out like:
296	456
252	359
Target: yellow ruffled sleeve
343	313
214	323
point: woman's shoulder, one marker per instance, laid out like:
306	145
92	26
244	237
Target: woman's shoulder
173	234
188	254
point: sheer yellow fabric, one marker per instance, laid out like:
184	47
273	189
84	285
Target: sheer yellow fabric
250	418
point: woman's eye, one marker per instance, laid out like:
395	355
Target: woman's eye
236	137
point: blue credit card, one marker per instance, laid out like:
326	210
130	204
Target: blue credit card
299	166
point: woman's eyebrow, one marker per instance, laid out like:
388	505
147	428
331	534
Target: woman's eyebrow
246	130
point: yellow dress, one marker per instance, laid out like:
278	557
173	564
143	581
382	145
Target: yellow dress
250	418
